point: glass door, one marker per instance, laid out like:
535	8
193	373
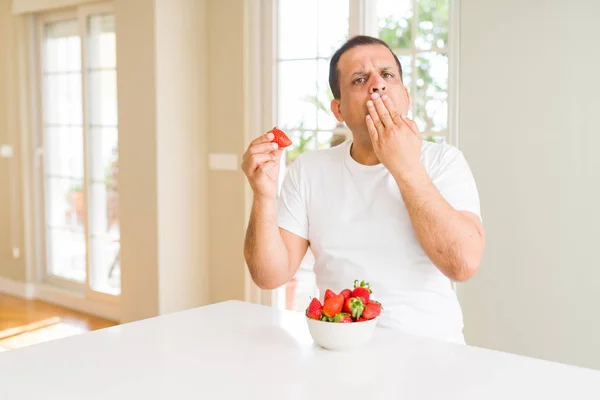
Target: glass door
79	143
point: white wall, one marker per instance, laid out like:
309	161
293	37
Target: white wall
181	71
10	174
530	128
138	190
161	53
227	93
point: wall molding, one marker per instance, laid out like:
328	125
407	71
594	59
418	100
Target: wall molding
35	6
17	288
78	302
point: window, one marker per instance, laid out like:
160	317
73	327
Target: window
79	138
307	34
417	31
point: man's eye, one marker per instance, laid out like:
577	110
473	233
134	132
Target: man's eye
387	75
359	80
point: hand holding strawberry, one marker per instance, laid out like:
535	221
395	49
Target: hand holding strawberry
261	162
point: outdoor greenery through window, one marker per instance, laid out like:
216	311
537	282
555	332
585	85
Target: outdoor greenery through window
417	31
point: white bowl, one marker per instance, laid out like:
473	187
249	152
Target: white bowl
341	336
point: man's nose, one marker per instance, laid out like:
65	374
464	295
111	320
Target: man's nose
378	86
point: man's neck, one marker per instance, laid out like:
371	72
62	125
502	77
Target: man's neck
363	153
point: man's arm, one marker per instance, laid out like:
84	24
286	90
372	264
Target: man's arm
273	254
453	240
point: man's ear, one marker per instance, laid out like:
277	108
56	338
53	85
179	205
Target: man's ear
336	109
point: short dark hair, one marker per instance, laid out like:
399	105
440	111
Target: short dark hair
355	41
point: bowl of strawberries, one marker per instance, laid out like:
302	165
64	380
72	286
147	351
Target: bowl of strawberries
345	320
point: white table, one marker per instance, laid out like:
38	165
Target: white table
235	350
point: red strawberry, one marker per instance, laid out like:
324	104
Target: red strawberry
372	310
347	293
339	317
328	294
342	318
280	138
362	289
361	319
333	305
354	306
314	309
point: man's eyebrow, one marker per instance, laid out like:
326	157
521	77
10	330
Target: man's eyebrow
379	67
385	67
358	73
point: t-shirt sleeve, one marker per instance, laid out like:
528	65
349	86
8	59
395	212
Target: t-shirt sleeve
456	183
291	206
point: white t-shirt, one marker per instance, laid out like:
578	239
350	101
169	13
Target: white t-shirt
358	227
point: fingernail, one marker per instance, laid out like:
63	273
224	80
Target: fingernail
374	96
403	115
370	103
275	145
270	136
384	97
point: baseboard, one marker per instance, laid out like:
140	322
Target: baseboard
60	297
17	288
78	302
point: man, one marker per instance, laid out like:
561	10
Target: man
385	207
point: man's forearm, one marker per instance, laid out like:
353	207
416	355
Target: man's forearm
264	249
452	240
